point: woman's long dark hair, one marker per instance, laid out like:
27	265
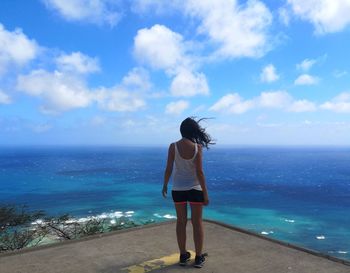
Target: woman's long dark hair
191	130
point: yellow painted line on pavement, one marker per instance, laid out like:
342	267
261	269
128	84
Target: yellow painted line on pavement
155	264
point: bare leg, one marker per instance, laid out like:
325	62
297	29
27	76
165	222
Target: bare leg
198	234
181	213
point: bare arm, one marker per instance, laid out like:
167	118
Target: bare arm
168	169
200	174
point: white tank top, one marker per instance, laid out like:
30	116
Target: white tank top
184	174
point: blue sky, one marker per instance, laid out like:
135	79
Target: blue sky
112	72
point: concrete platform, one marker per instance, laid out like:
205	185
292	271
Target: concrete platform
153	248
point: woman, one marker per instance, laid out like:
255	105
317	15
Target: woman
188	185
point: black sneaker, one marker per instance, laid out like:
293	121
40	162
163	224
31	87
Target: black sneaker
199	261
184	258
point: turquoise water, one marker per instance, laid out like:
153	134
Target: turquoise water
299	195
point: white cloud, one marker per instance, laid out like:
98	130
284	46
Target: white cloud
128	96
302	106
235	30
198	110
339	73
189	84
269	125
66	88
93	11
238	30
41	127
227	129
119	99
176	107
97	120
155	6
129	124
327	16
232	103
16	48
306	79
269	74
60	92
284	16
235	104
77	62
4	98
277	99
340	103
160	48
306	64
137	79
226	101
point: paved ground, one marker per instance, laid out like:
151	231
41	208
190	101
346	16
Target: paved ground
153	248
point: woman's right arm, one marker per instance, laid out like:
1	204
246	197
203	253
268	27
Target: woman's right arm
168	169
200	174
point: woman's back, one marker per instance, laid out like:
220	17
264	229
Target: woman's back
186	148
184	176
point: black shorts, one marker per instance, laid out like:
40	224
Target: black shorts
193	196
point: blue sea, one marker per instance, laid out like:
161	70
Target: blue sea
295	194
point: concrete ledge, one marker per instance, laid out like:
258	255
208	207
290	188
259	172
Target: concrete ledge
87	238
231	249
294	246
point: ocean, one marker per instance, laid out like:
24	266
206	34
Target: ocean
299	195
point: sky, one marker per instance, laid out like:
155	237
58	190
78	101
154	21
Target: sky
113	72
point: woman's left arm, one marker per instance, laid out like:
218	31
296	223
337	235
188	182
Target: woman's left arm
168	169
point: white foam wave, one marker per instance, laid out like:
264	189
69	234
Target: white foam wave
167	216
266	232
37	222
289	220
112	215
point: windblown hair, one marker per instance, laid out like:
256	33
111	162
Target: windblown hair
191	130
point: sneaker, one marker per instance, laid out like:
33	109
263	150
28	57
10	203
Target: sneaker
184	258
199	261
